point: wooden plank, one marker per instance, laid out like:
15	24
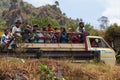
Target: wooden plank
52	46
61	49
78	45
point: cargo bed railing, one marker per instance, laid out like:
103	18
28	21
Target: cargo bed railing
69	40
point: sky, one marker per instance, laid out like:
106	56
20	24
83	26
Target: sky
89	10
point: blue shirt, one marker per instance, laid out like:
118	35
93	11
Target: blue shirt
4	38
63	37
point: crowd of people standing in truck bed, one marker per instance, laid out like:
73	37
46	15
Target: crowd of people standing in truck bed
48	34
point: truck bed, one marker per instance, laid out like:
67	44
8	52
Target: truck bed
56	46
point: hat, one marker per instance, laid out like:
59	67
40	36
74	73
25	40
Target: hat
28	26
17	22
35	25
69	28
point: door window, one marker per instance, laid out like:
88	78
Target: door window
98	43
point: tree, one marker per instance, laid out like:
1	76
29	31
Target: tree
78	20
64	14
22	3
88	27
110	32
13	2
71	24
56	3
94	32
103	22
81	20
44	21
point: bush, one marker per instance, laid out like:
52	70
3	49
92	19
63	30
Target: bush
46	73
117	55
44	21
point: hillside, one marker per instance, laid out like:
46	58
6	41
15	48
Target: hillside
4	5
12	10
19	69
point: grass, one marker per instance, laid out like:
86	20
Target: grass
1	33
72	71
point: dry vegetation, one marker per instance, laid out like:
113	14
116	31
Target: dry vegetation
18	69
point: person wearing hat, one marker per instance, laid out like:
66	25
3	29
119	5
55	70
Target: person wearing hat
16	28
16	33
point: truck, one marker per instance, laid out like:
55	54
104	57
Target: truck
93	47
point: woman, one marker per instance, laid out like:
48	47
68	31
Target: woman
55	38
63	36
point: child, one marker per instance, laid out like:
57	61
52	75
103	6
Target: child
5	40
5	37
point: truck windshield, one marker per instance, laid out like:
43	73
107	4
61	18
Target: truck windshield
98	43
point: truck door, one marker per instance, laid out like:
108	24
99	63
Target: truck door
107	54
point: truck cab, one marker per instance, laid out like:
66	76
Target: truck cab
96	43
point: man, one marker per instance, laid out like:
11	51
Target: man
16	28
16	33
27	31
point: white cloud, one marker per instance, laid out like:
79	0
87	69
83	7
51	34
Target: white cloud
114	20
112	10
38	3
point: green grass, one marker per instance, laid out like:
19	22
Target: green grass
1	33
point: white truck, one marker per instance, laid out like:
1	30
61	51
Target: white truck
93	47
107	54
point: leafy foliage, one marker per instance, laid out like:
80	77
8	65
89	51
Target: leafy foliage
43	21
103	22
117	55
46	73
71	24
94	32
109	36
56	3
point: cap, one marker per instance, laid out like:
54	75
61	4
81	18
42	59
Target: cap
17	22
35	25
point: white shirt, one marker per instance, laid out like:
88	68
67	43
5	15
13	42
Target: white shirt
79	29
40	35
16	29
